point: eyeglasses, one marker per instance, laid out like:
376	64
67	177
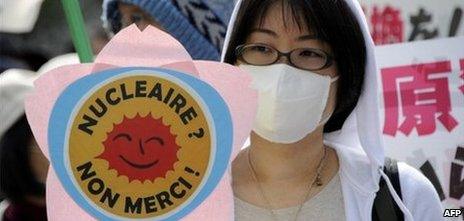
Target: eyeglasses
310	59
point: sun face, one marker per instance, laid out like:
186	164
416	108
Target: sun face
161	148
141	148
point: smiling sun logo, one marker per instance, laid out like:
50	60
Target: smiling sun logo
141	148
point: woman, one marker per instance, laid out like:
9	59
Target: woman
316	150
199	25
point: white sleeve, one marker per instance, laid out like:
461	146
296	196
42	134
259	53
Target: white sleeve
419	195
3	206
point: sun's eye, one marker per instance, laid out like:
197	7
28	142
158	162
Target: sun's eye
155	139
123	136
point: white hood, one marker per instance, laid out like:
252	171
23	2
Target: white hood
19	16
359	143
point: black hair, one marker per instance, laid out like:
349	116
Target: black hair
16	177
333	22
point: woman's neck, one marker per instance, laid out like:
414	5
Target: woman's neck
275	161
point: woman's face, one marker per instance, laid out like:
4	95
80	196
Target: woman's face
287	36
132	14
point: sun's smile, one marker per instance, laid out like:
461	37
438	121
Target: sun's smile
138	165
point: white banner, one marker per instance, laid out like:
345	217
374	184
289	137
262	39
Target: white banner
393	21
422	110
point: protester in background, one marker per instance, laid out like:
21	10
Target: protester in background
22	164
31	33
18	18
200	26
28	41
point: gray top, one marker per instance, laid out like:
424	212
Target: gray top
327	205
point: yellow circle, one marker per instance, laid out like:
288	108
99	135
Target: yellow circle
115	193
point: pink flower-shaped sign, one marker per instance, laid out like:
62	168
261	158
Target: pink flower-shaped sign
143	133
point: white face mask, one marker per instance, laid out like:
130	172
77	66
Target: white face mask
290	102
